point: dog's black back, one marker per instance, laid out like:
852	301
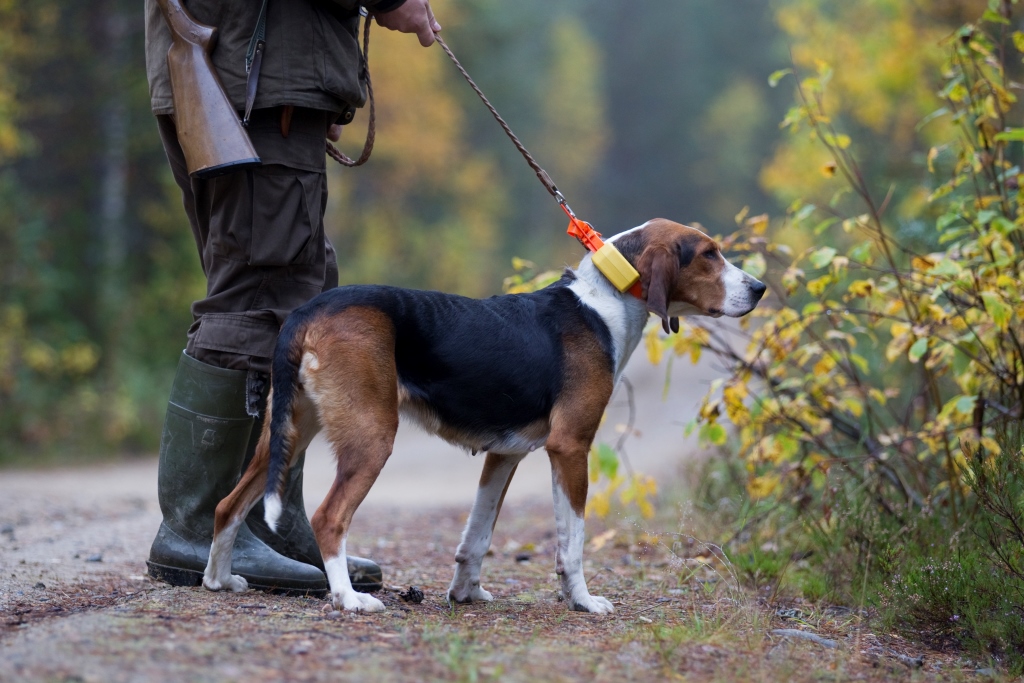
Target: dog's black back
483	366
492	363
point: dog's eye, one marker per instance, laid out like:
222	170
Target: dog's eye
712	254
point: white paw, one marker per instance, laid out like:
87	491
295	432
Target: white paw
352	601
479	594
234	583
594	604
473	594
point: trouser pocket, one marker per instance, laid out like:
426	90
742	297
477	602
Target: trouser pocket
287	217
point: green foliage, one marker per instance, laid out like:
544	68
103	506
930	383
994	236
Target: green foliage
41	369
574	130
759	566
885	56
604	461
13	19
526	278
691	115
878	385
997	481
968	586
97	265
877	362
629	488
956	596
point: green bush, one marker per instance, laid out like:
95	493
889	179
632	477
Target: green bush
877	402
957	595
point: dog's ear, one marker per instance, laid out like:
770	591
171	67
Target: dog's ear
659	271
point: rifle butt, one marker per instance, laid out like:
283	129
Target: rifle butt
210	133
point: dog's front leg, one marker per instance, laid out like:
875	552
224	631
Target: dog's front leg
569	486
574	422
476	538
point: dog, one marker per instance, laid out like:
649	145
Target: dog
504	375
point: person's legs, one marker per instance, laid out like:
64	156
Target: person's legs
260	237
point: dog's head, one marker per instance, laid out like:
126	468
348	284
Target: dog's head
683	272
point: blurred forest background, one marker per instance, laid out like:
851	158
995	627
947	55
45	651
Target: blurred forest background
637	111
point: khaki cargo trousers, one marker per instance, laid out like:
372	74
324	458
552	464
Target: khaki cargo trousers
261	240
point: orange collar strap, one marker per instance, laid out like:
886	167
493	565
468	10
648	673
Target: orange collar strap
612	264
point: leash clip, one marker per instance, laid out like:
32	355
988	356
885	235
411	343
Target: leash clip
560	198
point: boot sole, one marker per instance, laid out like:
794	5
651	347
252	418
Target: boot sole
176	576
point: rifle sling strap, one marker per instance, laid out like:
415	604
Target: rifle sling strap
253	61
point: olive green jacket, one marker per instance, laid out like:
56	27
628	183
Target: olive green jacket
311	57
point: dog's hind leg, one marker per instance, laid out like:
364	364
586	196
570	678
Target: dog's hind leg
355	388
476	538
232	511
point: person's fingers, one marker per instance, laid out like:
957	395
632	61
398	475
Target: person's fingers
425	28
412	17
425	35
334	132
434	26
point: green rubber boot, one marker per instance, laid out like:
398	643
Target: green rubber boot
205	437
294	537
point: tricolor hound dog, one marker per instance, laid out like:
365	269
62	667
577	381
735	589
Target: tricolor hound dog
505	375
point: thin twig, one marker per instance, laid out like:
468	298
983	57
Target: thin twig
804	635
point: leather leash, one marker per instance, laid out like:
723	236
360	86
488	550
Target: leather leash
607	258
612	264
542	175
371	129
254	60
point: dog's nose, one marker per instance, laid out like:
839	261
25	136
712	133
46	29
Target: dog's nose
758	288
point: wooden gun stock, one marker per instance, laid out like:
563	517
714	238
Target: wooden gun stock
209	131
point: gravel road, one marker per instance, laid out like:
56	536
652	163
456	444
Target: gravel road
73	542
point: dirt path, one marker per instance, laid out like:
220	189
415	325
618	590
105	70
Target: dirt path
75	604
678	614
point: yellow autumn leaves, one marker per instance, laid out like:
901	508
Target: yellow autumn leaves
874	357
638	490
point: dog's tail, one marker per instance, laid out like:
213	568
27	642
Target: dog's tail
284	381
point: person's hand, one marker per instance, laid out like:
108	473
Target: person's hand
334	132
413	16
